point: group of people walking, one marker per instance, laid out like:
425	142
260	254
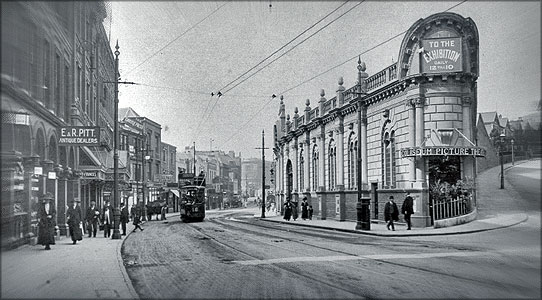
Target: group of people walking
391	212
290	210
95	219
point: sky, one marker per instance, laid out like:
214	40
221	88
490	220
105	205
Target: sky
180	52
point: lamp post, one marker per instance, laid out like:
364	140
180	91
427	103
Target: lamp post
116	211
501	144
513	159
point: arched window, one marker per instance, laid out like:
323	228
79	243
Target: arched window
332	165
301	171
39	145
315	159
388	159
352	160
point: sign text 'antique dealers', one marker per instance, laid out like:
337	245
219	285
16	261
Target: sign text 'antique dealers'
79	135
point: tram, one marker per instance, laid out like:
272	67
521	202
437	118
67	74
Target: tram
192	199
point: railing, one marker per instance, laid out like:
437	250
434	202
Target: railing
451	208
387	75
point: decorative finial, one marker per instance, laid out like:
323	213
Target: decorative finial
296	110
117	49
288	117
361	65
341	80
322	93
308	102
281	97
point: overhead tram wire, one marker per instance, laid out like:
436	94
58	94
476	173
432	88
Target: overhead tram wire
289	89
357	55
205	116
175	39
283	46
316	32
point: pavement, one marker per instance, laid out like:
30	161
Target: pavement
94	269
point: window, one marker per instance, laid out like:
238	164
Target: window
58	83
46	75
352	160
332	165
67	94
315	164
388	159
301	171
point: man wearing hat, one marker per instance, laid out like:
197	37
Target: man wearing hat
46	221
391	213
93	214
74	219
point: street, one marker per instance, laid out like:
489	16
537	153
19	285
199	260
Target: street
233	256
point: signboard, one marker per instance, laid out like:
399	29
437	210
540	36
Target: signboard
79	135
133	123
441	55
438	151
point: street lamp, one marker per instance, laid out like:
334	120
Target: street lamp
501	144
116	211
513	160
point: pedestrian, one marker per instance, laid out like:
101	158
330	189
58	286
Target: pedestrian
137	216
107	218
163	212
295	214
46	221
310	212
304	209
74	219
124	217
408	209
391	213
93	218
287	210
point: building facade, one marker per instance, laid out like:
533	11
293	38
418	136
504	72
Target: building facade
411	128
56	67
251	176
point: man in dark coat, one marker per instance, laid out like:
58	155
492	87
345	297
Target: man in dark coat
391	213
137	216
74	218
287	210
304	209
93	216
124	217
46	221
408	209
107	219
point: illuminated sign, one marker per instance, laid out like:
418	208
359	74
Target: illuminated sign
79	135
437	151
441	55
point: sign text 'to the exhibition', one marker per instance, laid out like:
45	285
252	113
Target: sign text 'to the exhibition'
441	55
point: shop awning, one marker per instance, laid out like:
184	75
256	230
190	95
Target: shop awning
91	156
176	193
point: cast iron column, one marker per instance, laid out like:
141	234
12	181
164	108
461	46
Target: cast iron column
116	212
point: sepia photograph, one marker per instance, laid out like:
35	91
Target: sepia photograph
271	149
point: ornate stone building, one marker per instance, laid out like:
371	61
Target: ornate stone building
414	122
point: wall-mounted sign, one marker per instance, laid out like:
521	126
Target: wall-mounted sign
441	55
89	174
133	123
51	175
38	170
438	151
79	135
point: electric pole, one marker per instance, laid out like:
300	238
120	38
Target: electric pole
263	173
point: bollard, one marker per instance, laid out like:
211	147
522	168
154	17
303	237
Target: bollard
363	214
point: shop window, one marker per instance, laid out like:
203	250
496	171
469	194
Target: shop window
388	160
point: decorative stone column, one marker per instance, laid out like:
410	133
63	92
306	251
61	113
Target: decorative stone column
63	200
363	136
295	168
306	168
411	140
420	161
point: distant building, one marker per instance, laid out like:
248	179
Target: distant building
251	176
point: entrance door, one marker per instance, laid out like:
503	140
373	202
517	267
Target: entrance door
289	180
